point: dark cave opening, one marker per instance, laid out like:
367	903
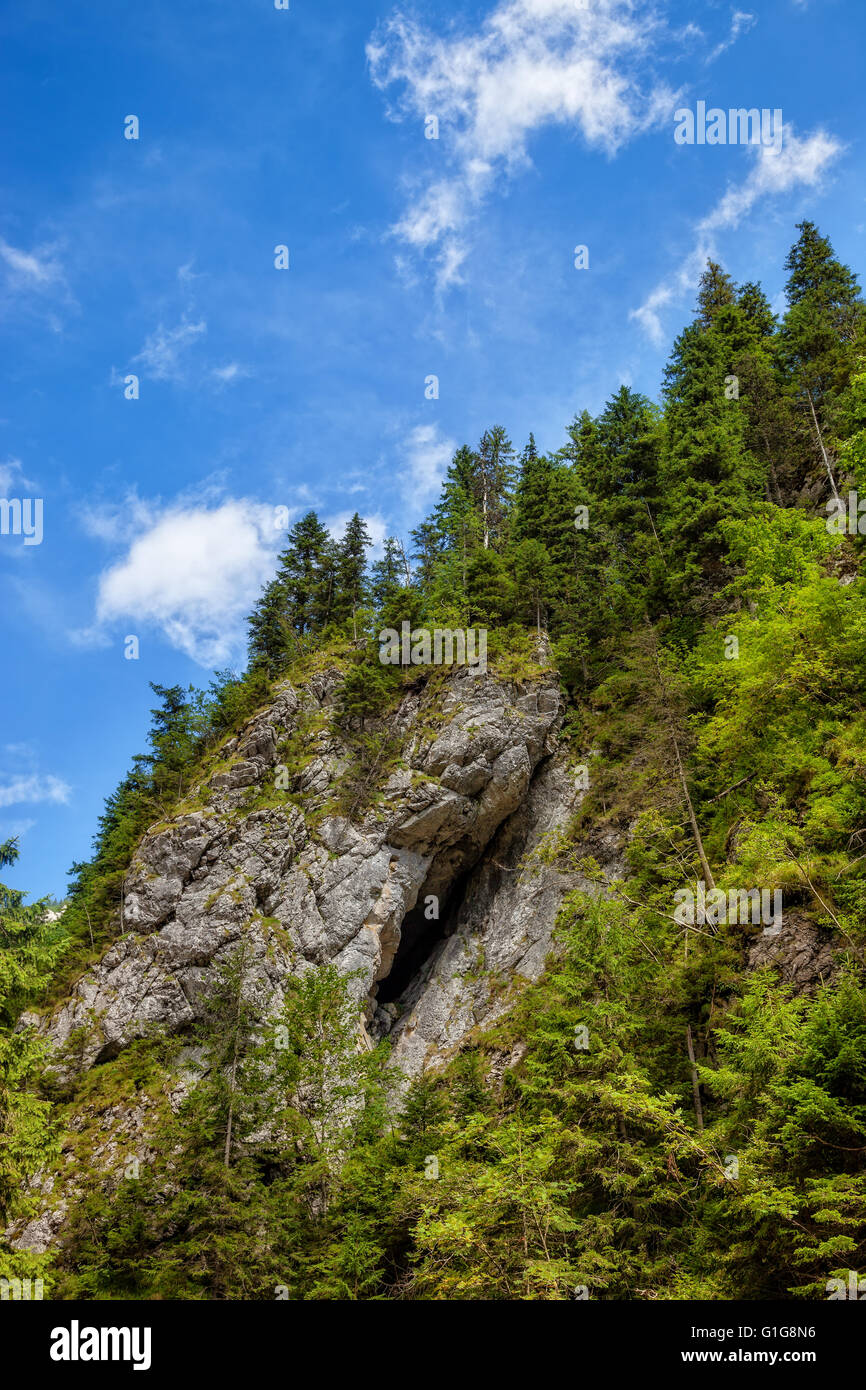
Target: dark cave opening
419	938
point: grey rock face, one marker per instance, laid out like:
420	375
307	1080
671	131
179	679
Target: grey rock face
304	893
498	934
799	951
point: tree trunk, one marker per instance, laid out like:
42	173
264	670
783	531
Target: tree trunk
234	1070
705	866
696	1085
699	844
655	532
406	566
821	445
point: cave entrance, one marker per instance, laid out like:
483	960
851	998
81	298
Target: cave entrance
419	939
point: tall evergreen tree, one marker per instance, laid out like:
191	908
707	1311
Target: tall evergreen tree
821	334
269	633
427	540
494	482
756	308
352	569
532	494
306	572
706	472
388	574
716	289
458	524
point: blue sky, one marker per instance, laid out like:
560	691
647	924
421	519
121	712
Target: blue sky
262	388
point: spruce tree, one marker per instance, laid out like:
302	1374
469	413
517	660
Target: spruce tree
352	589
706	472
716	289
532	494
755	307
269	634
821	334
494	481
388	574
306	575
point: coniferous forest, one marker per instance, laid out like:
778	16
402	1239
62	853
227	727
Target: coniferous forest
690	570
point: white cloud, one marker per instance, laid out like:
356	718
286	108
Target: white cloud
164	348
741	23
16	829
194	573
11	476
33	283
799	162
32	788
116	522
427	458
530	64
29	269
232	371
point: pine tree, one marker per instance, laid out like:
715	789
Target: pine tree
488	589
716	289
388	573
306	574
458	525
755	306
427	540
269	634
532	494
706	472
821	334
494	482
533	577
581	446
352	570
324	1088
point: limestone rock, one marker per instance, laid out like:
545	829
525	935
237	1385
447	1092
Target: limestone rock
338	892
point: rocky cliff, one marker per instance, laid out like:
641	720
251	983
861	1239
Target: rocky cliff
310	886
437	898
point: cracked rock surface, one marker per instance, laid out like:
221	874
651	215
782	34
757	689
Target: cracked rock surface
311	886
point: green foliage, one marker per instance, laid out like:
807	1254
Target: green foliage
29	948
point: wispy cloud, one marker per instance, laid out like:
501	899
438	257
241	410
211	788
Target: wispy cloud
12	477
231	372
799	163
164	349
34	787
33	283
530	64
741	23
428	455
27	269
16	829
